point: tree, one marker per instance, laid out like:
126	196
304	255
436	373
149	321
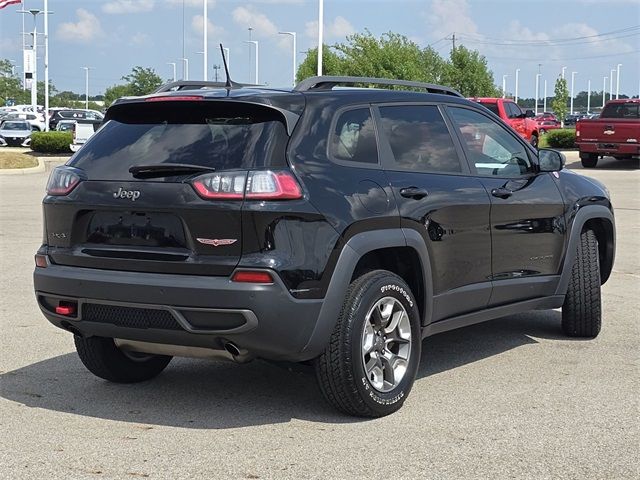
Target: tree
467	72
559	102
331	64
114	92
142	81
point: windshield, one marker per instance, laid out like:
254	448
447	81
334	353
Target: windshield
15	126
212	139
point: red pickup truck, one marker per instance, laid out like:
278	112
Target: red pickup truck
510	112
616	132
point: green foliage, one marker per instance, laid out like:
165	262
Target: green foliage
6	67
395	56
114	92
142	81
331	64
51	142
561	138
559	103
468	73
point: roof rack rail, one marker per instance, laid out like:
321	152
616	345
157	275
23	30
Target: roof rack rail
196	85
328	82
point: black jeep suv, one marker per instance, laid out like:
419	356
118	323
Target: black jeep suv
334	225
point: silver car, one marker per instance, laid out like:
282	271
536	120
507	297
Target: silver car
15	133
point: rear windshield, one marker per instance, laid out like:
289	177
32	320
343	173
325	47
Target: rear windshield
491	106
213	136
620	110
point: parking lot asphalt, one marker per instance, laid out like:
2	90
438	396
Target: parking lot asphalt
510	398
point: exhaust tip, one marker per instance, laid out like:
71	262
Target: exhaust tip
232	349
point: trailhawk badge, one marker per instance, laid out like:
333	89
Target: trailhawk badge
217	242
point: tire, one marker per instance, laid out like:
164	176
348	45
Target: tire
582	309
360	387
589	160
534	140
105	360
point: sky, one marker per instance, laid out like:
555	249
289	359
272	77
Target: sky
589	37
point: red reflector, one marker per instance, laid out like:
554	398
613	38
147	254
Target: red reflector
181	98
41	261
67	310
246	276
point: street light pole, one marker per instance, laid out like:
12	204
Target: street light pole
294	64
588	96
504	85
215	69
320	34
86	86
538	75
613	70
46	65
185	68
173	64
563	69
516	93
544	102
34	74
618	81
604	91
573	75
205	25
254	42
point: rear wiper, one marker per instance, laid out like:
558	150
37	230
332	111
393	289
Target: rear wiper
167	170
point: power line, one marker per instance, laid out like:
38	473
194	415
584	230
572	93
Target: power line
550	41
563	59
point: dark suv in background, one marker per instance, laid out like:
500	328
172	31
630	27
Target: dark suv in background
338	226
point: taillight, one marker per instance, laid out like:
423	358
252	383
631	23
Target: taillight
577	129
62	181
223	186
254	185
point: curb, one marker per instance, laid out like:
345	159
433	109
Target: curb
45	164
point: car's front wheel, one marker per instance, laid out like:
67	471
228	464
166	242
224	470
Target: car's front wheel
104	359
370	363
582	311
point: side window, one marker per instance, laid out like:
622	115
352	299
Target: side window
513	110
353	139
491	148
419	139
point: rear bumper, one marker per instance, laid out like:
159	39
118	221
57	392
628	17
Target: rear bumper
187	310
603	148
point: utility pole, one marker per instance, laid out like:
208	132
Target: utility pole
618	81
516	93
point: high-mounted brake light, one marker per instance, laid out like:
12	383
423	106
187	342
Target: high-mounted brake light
254	185
180	98
62	181
252	276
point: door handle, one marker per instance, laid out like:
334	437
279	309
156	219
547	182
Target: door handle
501	192
413	192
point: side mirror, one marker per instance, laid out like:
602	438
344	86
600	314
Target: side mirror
550	160
529	113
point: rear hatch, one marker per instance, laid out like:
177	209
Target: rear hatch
135	206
